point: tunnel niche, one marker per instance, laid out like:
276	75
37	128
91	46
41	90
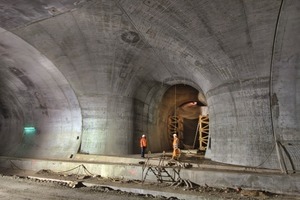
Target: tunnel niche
178	112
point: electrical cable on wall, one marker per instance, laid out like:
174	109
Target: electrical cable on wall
175	113
279	154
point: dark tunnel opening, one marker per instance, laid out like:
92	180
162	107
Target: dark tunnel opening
183	116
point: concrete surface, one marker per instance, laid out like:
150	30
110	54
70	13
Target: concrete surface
129	168
92	76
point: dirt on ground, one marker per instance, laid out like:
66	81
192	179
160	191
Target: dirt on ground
181	188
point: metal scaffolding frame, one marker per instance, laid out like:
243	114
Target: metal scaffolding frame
203	132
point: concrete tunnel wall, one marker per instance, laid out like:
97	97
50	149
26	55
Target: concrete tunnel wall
35	94
101	69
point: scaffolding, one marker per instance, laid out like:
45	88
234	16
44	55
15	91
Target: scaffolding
203	132
175	126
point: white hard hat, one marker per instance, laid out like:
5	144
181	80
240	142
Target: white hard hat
174	135
143	135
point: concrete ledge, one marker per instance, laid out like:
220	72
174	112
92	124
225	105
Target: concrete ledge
271	182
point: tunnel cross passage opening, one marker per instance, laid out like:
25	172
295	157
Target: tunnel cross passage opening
187	119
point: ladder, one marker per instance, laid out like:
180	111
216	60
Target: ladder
160	171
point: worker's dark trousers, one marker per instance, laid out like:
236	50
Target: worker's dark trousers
143	149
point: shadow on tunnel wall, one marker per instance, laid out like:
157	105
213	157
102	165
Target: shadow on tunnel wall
11	118
40	115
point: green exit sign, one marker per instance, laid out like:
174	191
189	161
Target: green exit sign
29	130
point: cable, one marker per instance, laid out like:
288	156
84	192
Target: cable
70	169
279	155
14	165
79	167
175	101
266	157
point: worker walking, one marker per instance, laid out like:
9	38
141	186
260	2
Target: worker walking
176	150
143	145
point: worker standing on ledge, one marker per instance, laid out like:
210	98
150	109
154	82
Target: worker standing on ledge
176	150
143	145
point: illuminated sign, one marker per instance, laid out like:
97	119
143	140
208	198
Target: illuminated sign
29	130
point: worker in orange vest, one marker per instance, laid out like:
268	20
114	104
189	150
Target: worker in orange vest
143	145
176	150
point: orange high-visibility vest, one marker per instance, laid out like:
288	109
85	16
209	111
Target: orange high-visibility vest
143	142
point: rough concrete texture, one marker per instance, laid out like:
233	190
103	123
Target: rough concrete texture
91	76
219	176
47	184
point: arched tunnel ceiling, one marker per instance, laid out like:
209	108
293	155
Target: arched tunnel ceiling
202	42
100	67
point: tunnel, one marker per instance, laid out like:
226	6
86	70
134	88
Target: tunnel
90	77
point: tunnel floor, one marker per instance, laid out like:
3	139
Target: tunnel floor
83	171
75	178
198	176
87	186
